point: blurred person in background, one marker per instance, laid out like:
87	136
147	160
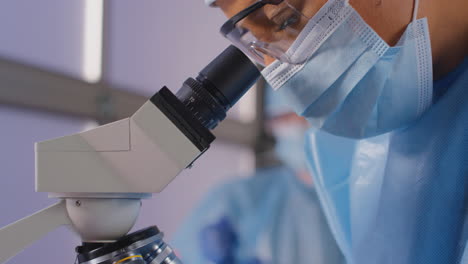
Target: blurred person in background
384	86
272	216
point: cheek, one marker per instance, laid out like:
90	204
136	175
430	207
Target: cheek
268	60
308	8
388	19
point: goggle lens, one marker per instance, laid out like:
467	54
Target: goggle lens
268	32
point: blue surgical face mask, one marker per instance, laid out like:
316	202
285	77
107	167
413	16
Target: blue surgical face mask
354	84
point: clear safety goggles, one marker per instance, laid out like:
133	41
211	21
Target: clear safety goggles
266	29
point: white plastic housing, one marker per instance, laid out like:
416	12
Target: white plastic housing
140	154
102	220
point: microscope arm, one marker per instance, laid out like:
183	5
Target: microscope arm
20	234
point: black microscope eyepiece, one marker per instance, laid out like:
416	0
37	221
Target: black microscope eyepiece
201	103
219	86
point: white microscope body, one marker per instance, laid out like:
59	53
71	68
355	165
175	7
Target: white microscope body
101	175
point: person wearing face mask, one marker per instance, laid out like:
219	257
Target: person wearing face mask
271	217
384	86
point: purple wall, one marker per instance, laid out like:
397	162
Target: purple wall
156	43
45	33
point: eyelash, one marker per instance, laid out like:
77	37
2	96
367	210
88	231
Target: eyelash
291	20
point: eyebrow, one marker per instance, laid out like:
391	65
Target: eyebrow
231	23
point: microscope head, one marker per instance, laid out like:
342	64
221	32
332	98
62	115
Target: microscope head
141	154
104	172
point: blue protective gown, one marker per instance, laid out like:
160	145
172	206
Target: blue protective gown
401	197
270	217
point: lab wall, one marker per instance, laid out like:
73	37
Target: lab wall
148	44
46	33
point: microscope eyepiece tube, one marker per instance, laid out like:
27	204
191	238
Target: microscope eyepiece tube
231	74
218	86
202	102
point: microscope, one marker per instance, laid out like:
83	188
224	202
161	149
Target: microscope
101	175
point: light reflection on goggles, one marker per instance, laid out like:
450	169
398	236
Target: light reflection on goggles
265	29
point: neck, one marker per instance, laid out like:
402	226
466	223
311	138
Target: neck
448	26
304	177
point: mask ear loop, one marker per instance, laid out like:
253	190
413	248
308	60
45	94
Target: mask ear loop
415	10
415	17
